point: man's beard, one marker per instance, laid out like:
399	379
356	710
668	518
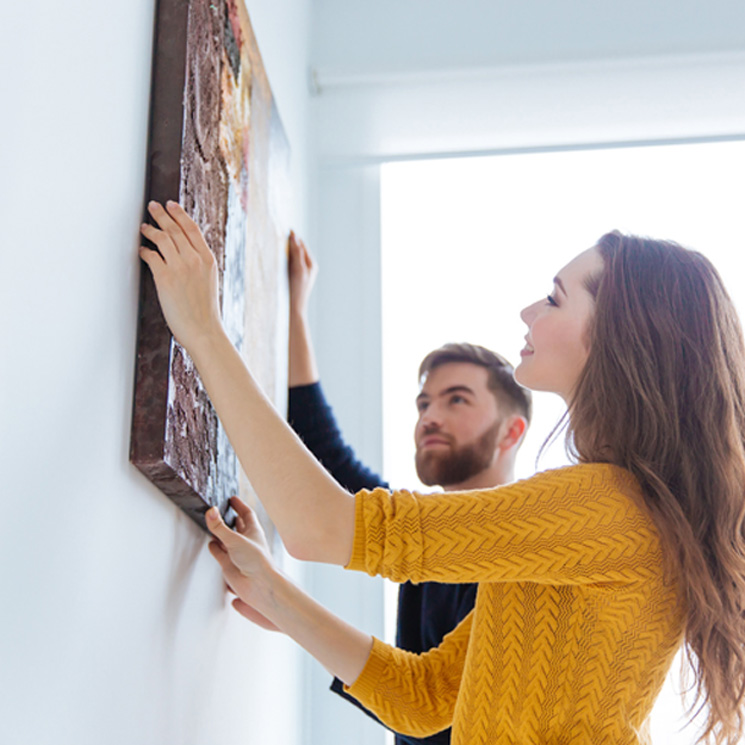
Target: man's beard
435	468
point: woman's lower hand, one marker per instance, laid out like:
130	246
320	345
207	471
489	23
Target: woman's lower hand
185	274
271	600
245	559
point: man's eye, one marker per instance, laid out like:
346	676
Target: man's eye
457	400
550	300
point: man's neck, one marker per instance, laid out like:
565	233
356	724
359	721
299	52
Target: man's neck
487	479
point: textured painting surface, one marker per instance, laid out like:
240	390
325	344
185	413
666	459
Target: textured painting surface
217	146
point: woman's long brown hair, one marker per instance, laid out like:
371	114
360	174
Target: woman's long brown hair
663	395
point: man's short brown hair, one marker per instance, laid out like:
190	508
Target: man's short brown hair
501	381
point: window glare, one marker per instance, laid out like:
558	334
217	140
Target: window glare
467	243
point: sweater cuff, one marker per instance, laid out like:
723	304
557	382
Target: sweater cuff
357	561
367	681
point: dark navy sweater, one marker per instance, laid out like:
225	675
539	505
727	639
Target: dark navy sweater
427	611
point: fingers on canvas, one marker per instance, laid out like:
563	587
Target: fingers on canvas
164	220
240	524
300	251
217	526
189	229
297	248
162	240
242	510
171	234
292	243
152	258
296	260
166	226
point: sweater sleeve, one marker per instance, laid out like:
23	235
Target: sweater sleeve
310	415
414	694
575	525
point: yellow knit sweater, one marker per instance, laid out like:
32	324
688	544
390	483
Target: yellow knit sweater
574	627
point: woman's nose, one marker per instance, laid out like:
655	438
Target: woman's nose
527	314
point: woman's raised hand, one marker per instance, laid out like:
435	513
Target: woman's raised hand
313	514
185	274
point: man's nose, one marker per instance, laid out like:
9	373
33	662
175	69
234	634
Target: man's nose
431	418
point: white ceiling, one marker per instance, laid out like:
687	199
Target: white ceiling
373	36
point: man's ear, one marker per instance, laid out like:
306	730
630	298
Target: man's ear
513	429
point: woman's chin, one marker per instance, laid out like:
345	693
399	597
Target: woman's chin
522	375
525	377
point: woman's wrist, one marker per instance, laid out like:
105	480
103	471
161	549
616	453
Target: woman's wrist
277	597
339	647
206	345
272	592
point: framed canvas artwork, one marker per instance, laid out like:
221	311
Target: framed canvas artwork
216	144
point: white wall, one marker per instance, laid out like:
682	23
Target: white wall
113	625
429	114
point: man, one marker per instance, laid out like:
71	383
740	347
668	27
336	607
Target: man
472	419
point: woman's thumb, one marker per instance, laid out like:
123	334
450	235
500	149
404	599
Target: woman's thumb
217	527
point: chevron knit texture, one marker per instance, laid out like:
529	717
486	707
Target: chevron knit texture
575	624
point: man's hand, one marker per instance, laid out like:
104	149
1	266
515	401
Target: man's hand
302	271
185	274
303	369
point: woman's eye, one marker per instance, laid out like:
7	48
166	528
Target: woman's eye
551	301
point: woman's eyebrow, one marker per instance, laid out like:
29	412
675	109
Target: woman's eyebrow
560	284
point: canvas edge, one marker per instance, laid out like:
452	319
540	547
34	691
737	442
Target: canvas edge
162	182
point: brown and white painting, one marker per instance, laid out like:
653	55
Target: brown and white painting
216	144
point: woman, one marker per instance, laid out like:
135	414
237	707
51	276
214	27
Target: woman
591	576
